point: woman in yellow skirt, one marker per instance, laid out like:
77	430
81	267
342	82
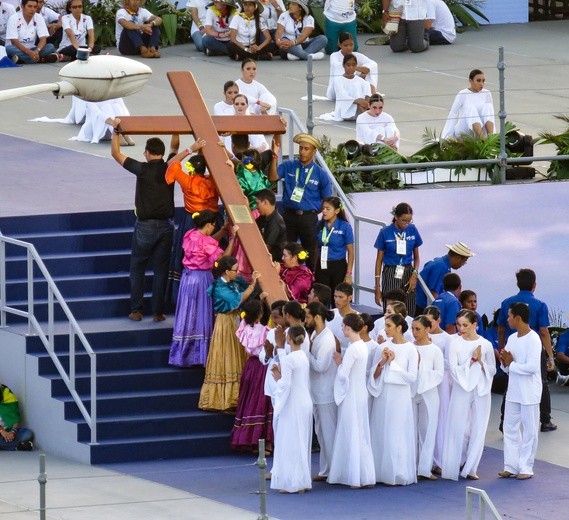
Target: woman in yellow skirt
226	356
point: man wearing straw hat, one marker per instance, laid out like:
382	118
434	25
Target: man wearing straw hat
305	186
434	271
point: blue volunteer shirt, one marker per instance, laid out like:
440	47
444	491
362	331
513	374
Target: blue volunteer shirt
538	313
342	235
449	306
311	177
387	242
433	274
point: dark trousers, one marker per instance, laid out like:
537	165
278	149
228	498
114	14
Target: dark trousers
151	241
72	51
410	36
334	273
437	38
237	53
302	227
131	41
22	435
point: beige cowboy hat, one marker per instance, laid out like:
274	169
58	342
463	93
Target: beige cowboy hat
258	5
460	248
303	4
307	138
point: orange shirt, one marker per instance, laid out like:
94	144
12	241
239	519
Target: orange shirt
199	192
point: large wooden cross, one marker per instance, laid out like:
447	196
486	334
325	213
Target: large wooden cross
197	121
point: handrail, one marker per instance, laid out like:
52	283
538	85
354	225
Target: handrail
483	501
47	337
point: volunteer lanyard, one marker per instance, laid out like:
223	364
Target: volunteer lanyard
326	237
307	177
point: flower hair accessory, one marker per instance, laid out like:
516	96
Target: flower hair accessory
190	167
216	264
341	206
303	255
242	315
248	162
195	214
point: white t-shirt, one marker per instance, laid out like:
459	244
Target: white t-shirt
79	29
443	20
217	24
340	11
141	17
412	9
368	127
49	15
6	10
292	30
246	29
27	33
201	6
270	14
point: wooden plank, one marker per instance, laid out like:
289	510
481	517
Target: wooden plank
202	125
166	125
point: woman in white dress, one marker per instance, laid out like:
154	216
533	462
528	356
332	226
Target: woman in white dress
352	459
261	101
293	409
472	112
352	92
426	398
442	340
225	107
240	108
375	126
393	373
472	366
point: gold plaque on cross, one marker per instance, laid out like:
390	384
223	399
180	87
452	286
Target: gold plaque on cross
240	214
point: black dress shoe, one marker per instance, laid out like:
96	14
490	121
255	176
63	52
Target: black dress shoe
549	427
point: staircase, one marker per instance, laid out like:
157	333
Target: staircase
146	410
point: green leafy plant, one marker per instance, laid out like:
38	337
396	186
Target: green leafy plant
558	169
103	14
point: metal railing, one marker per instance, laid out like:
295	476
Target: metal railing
46	331
483	502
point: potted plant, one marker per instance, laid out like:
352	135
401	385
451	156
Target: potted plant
558	169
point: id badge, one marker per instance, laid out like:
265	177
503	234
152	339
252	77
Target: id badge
297	194
324	257
399	270
401	247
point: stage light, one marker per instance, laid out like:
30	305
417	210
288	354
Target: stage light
353	148
519	143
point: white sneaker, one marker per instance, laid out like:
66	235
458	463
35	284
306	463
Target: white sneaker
318	56
562	380
291	57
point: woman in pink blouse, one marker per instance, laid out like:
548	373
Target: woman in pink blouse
295	276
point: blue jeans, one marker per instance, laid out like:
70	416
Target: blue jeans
215	45
437	38
22	435
151	240
305	48
197	38
132	39
12	50
333	31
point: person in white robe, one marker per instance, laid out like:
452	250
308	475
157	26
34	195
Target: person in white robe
261	101
352	458
225	107
372	347
322	376
472	112
521	359
375	126
257	141
442	340
393	373
352	92
426	398
293	408
391	309
472	366
366	69
343	295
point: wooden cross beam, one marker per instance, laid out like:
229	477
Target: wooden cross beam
197	121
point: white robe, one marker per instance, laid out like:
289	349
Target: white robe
337	69
322	376
352	459
391	422
468	108
469	407
426	405
347	91
256	91
293	409
368	127
335	325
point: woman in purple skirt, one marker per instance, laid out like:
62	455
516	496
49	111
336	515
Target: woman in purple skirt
193	324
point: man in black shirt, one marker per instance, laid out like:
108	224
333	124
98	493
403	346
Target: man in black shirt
154	227
271	223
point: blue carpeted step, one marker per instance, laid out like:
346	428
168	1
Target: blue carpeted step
161	447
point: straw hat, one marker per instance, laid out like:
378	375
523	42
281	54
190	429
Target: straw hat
258	5
460	248
230	3
301	3
307	138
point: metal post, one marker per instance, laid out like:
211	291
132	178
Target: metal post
262	463
502	114
309	97
42	479
356	267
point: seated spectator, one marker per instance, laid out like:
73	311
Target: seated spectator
225	107
261	101
137	30
198	9
352	92
271	223
6	10
27	33
271	12
12	436
78	31
218	17
249	36
410	33
366	69
439	24
292	37
52	21
375	126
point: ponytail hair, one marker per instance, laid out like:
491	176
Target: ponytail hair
295	310
423	320
354	321
399	321
319	309
297	334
